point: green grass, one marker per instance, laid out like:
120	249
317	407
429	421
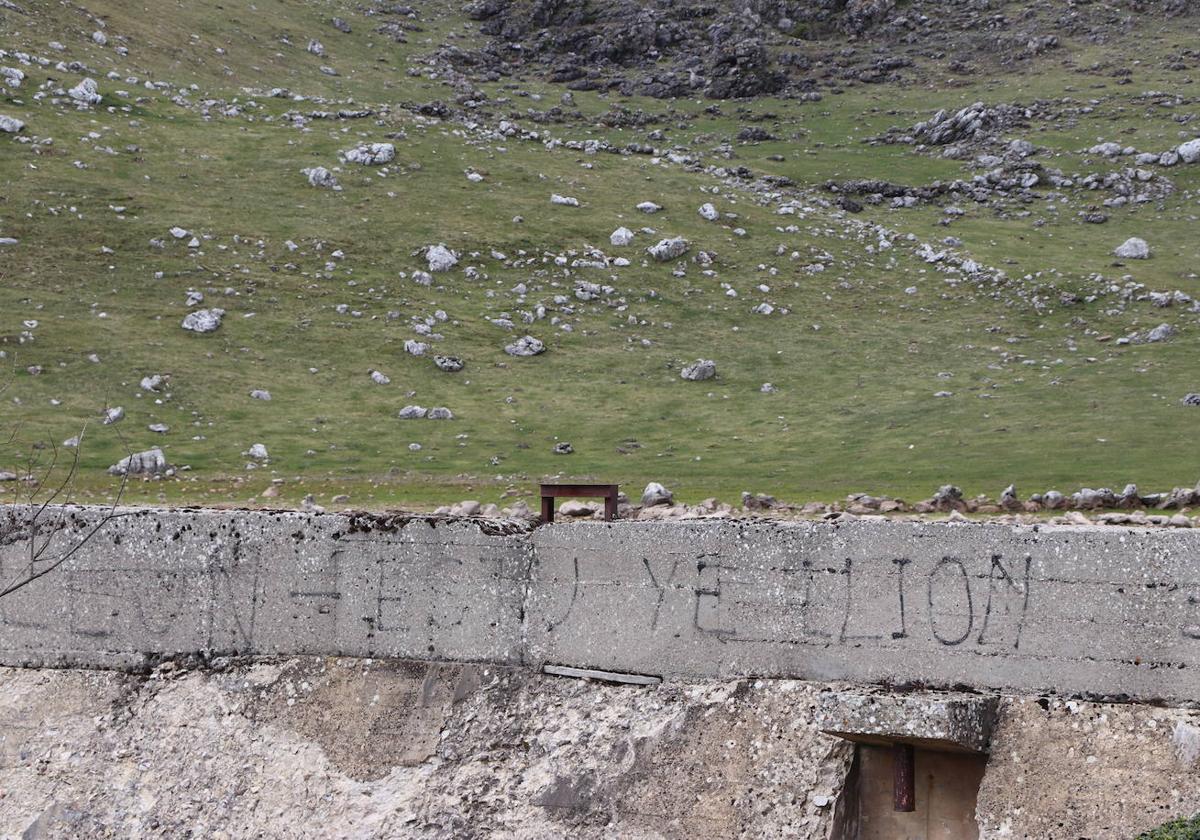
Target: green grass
854	410
1181	829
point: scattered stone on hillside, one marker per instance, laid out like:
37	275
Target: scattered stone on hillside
1053	500
8	240
450	364
467	507
316	47
113	415
709	212
159	428
152	382
564	200
150	462
10	125
1021	148
1009	500
319	176
85	93
100	38
1133	248
371	154
11	77
7	475
525	346
380	378
699	370
563	448
1192	400
669	249
260	394
649	207
1160	333
621	236
440	412
203	320
340	25
1189	152
412	412
948	497
656	494
768	388
974	122
578	509
1108	149
179	233
415	348
440	258
258	452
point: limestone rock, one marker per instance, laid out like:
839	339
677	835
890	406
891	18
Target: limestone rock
440	258
699	370
85	93
371	154
1133	248
621	236
669	249
525	346
319	176
1189	152
656	494
203	320
150	462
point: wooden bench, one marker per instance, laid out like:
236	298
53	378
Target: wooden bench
608	492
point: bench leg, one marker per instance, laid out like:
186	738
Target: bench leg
610	508
547	508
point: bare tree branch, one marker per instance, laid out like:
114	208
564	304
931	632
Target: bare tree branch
48	502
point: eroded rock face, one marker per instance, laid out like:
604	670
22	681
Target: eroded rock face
1068	755
340	747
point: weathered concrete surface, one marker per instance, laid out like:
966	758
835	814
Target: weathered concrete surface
1089	611
328	748
155	583
1095	612
1070	769
344	748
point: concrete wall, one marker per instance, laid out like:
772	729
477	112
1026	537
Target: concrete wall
1102	612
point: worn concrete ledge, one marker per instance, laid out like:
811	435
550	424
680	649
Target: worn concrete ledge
950	721
1107	613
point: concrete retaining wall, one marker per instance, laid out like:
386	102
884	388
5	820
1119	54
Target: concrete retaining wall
1102	612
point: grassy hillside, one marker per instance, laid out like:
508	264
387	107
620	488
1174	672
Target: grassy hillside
1042	394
